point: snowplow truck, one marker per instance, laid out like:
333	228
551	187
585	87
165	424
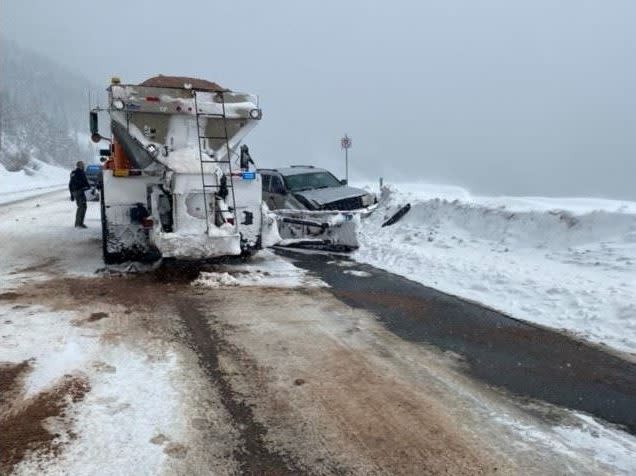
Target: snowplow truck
177	183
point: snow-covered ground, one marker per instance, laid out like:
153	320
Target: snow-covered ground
567	263
132	397
34	181
264	270
141	410
39	232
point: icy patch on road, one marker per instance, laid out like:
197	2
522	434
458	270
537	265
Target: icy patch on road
613	450
355	272
565	263
342	263
265	269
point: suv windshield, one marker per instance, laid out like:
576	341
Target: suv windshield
296	183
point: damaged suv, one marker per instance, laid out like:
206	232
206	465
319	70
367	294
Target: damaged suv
305	187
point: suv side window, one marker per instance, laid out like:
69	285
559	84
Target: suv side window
266	178
277	185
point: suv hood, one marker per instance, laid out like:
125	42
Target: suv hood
322	196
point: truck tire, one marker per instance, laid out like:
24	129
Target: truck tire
109	258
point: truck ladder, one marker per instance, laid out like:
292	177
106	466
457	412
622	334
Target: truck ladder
210	187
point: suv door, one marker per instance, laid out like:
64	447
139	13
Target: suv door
277	192
265	181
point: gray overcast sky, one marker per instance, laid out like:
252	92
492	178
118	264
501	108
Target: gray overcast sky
504	97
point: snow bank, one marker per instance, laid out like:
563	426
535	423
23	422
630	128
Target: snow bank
31	181
564	263
536	228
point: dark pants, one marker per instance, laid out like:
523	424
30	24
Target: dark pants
80	201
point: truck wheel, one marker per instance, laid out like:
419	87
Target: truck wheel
109	258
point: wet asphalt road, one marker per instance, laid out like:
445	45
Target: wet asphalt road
526	360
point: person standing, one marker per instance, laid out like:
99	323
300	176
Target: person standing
77	186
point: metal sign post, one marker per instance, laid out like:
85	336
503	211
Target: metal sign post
345	143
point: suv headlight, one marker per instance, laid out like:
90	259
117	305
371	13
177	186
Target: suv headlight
152	150
367	199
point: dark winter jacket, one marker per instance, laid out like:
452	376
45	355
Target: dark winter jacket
78	181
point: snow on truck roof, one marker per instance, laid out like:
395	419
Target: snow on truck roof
179	82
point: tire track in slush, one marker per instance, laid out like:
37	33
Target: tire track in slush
254	457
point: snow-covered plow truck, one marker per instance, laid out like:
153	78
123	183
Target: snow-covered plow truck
175	181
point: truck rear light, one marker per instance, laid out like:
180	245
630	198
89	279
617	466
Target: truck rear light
230	220
147	222
152	99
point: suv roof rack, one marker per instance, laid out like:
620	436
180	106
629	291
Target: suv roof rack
269	170
307	166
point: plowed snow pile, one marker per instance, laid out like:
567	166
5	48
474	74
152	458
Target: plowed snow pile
564	263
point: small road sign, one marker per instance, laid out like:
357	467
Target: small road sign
345	143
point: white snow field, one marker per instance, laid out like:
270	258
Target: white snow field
31	182
566	263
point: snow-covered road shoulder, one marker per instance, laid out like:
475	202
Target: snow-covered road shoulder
38	236
31	182
564	263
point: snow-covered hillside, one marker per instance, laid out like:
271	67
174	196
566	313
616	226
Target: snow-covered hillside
34	179
564	263
43	111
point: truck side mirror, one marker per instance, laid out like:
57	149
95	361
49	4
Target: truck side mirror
94	125
343	182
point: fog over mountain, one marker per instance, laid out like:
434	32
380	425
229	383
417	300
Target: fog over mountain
503	97
42	111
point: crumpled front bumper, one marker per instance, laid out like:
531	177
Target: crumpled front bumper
325	227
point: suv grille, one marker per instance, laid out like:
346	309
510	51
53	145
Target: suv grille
352	203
